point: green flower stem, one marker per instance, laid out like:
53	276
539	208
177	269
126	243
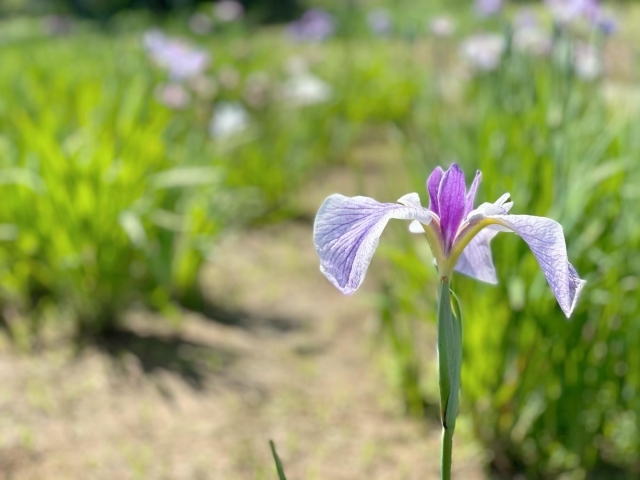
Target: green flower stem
447	445
449	364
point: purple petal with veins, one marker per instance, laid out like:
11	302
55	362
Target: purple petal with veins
346	234
451	203
433	184
476	261
471	195
546	240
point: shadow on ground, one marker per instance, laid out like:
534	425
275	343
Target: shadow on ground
240	318
191	361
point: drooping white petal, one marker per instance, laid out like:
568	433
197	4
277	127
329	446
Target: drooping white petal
410	200
416	227
499	207
546	240
503	199
476	261
346	234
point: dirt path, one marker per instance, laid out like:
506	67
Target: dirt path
294	363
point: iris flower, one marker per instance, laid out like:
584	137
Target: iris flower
347	230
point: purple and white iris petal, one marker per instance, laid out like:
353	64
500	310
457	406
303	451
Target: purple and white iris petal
346	233
546	240
433	184
451	203
476	261
471	194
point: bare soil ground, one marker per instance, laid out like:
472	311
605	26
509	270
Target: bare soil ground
284	357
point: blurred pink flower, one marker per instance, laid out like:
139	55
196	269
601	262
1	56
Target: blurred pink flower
173	95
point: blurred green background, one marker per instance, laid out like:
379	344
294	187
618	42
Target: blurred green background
139	139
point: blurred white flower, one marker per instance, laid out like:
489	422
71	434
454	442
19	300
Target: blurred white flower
586	61
532	40
180	59
229	118
442	27
228	10
483	51
379	21
306	89
528	34
200	23
173	95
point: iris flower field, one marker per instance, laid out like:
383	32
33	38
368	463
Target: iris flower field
163	310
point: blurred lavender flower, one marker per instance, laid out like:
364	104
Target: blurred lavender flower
606	22
567	11
525	17
487	8
173	95
228	10
306	89
529	36
379	21
57	25
229	118
483	51
347	230
587	63
314	25
181	60
200	23
442	27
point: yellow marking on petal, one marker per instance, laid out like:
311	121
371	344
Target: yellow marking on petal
466	234
432	232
